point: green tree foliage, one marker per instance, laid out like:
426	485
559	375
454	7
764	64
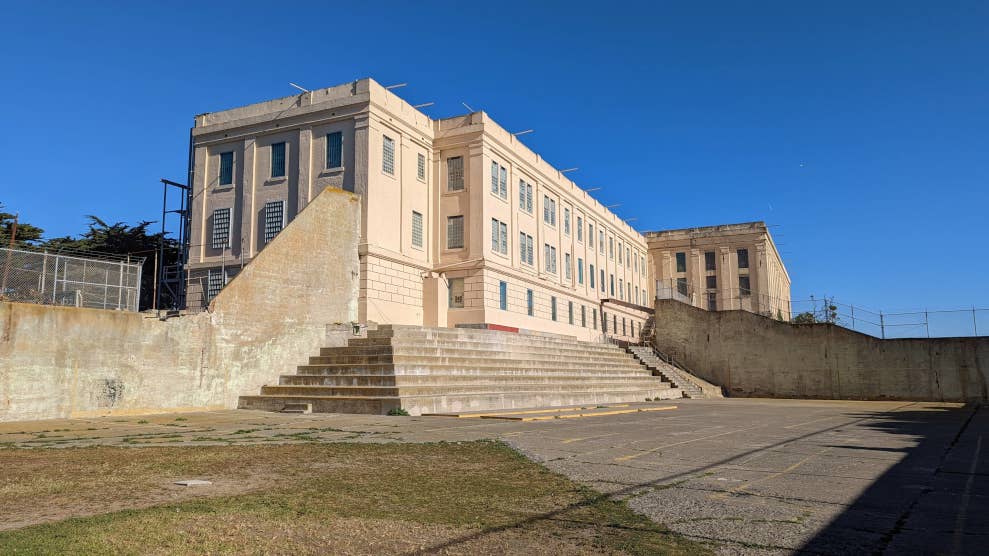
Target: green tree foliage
121	239
27	234
805	318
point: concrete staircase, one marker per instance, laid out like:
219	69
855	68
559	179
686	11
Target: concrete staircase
692	386
437	370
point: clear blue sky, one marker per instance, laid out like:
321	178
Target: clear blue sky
859	130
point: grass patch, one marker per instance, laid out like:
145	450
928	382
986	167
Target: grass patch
473	497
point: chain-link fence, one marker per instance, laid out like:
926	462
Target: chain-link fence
77	280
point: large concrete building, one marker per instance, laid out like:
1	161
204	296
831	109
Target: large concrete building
733	266
462	224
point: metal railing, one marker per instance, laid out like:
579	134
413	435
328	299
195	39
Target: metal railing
77	280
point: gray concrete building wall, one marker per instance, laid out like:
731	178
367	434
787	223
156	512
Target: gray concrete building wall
73	362
754	356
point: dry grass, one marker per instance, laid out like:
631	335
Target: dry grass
476	498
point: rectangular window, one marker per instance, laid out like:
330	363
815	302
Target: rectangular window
421	167
456	293
221	229
611	248
226	168
570	311
528	198
552	307
744	286
604	322
583	316
567	263
455	232
388	155
636	263
623	327
549	211
529	249
455	173
612	276
709	261
712	301
601	241
590	236
277	160
549	253
743	258
580	270
525	248
522	185
530	305
637	295
499	237
503	295
682	286
416	230
628	257
580	229
711	282
602	280
621	289
214	283
499	180
274	213
594	318
334	149
681	262
591	276
642	266
566	221
619	253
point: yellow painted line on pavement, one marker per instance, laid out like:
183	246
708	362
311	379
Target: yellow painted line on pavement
663	446
571	440
771	476
578	415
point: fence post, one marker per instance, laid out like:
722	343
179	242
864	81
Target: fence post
882	324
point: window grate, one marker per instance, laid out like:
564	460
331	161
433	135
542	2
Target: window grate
455	173
221	228
388	155
226	168
416	229
277	160
214	283
334	150
455	232
274	219
421	167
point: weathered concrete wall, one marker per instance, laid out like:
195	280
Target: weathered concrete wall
754	356
70	362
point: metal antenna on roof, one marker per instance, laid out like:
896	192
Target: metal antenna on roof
396	86
589	189
612	206
569	170
423	105
303	89
467	106
517	133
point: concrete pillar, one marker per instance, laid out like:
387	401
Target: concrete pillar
306	193
435	297
727	297
246	190
761	268
695	278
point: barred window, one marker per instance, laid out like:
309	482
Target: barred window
274	213
499	236
421	167
567	270
226	168
743	258
221	228
744	286
583	316
416	229
334	150
712	282
681	262
499	180
388	155
529	249
521	195
503	295
528	198
710	262
529	302
580	270
566	221
494	178
549	253
570	311
591	276
590	236
455	173
580	229
552	307
455	232
214	283
277	160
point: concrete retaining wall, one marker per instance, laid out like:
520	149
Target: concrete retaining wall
754	356
70	362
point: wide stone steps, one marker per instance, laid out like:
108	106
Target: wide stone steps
434	370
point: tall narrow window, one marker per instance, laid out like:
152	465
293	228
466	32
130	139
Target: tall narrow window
621	289
580	229
744	286
591	276
642	265
214	282
530	305
602	280
590	236
334	149
566	221
580	270
682	286
274	219
503	295
601	241
612	276
494	178
611	248
681	262
455	232
709	261
226	168
567	263
583	316
416	229
570	311
712	301
604	322
619	253
456	299
521	195
278	160
455	173
743	258
525	248
503	183
421	167
499	236
221	229
552	307
388	155
594	318
529	249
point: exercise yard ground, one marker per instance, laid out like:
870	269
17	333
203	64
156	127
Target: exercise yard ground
731	476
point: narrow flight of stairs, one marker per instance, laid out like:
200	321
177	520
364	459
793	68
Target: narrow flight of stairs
692	386
437	370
